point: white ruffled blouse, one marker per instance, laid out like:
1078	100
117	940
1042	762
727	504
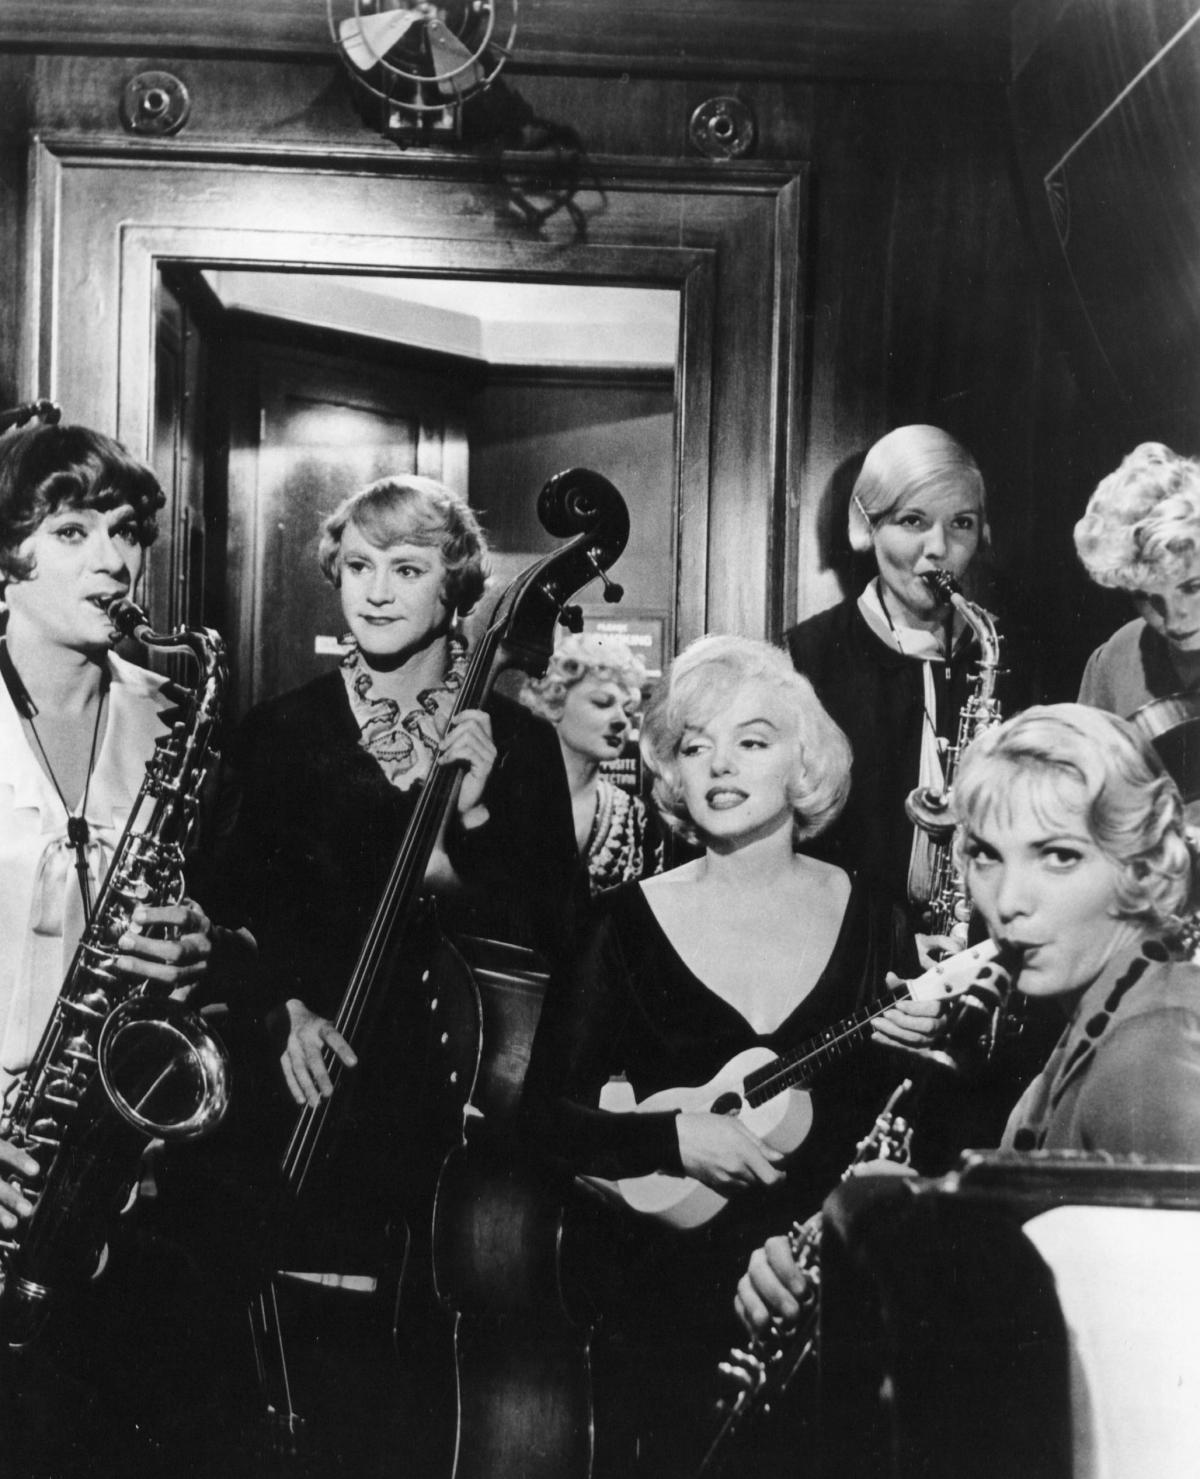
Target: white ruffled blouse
41	913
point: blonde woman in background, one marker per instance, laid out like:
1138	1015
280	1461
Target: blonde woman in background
893	664
591	692
1141	533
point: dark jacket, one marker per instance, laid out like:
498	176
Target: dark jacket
875	694
309	826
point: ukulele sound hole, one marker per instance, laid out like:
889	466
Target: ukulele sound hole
727	1103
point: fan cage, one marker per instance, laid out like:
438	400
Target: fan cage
431	93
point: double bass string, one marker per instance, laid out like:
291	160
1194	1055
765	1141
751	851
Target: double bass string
418	843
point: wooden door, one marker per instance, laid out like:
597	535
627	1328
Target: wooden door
310	424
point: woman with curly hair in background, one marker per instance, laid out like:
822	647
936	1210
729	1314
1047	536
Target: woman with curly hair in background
591	692
1141	533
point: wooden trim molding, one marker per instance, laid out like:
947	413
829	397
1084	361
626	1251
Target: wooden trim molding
917	40
106	220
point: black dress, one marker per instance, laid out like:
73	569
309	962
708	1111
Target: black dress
309	827
631	1005
307	830
876	695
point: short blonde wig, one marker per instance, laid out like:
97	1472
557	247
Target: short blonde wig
903	464
413	510
700	683
578	656
1143	521
1099	768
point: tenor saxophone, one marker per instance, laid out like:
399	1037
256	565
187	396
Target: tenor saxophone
119	1063
766	1369
949	909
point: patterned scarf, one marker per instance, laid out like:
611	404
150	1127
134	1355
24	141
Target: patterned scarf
403	745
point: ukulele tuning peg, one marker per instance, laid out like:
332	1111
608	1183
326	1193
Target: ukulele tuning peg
571	617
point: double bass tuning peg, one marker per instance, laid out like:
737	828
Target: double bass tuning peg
612	591
571	617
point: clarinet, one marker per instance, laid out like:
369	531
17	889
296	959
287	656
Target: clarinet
766	1369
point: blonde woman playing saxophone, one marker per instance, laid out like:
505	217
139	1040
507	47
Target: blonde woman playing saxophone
894	664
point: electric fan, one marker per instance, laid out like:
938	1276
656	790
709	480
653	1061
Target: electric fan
421	58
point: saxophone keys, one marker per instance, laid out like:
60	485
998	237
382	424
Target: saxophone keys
92	1004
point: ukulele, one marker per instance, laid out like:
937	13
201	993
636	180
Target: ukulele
768	1092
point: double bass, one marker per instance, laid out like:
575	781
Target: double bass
583	508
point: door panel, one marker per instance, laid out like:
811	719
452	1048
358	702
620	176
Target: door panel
310	428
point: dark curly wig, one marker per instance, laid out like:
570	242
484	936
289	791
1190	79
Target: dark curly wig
45	468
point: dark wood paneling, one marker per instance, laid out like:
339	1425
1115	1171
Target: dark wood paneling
793	38
15	106
1107	127
924	301
291	104
1106	106
525	427
917	288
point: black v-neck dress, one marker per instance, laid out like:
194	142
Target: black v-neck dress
665	1297
631	1005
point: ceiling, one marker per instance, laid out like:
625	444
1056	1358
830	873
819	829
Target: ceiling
497	323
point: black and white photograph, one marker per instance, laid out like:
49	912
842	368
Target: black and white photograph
599	739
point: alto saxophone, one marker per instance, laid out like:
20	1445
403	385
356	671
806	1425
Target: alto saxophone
119	1063
949	909
765	1371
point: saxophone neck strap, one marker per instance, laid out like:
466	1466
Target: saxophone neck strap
78	832
17	691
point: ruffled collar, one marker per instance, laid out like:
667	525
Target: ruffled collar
403	745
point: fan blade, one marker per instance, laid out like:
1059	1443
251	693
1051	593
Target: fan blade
367	39
451	56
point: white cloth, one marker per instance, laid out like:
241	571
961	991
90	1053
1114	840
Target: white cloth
41	914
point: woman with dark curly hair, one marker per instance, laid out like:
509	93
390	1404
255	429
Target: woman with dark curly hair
77	722
591	692
750	945
106	1386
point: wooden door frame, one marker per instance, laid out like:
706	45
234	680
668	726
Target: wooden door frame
107	214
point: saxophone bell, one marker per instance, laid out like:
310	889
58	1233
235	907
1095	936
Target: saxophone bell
164	1071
